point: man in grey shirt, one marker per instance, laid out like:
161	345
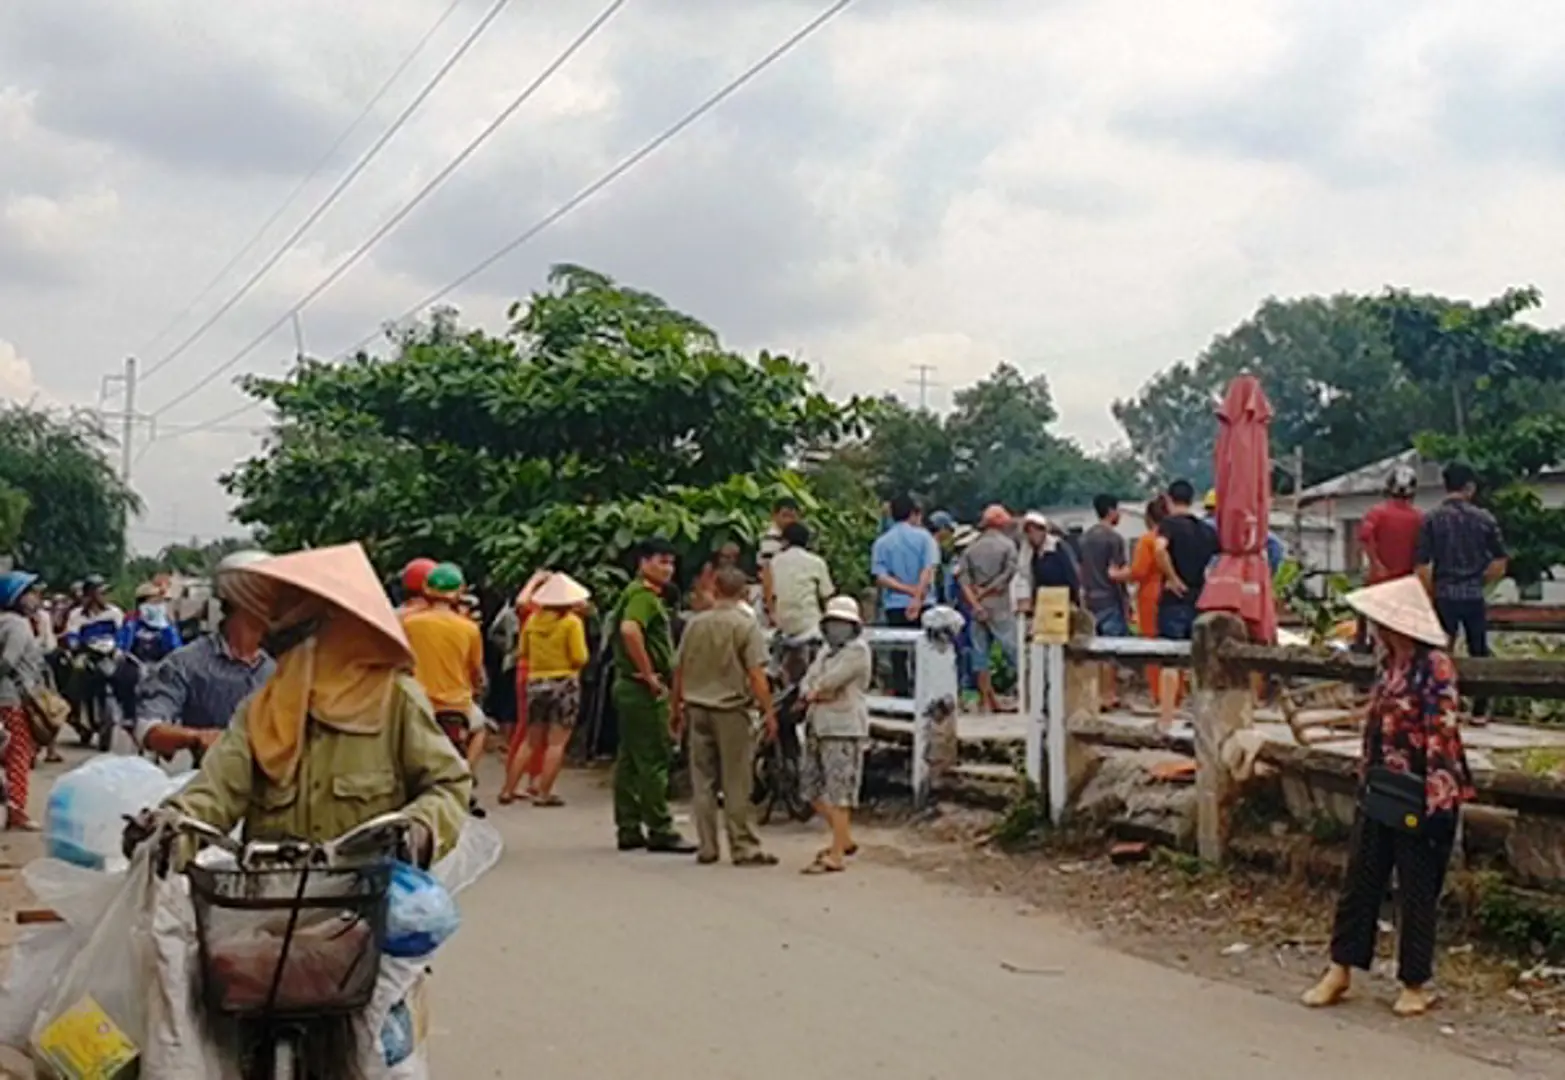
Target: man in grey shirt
1105	567
984	572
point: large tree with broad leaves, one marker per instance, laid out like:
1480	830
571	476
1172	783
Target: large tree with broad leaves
600	418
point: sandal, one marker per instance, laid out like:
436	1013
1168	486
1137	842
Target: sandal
850	851
823	865
548	800
760	858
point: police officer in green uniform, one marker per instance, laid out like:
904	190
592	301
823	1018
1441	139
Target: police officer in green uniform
643	669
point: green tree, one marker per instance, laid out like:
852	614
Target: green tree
602	417
72	522
1336	386
1501	407
995	446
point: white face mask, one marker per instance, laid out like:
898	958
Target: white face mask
838	633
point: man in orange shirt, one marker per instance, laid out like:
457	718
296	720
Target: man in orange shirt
448	653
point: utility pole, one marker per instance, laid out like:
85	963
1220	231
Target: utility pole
1298	501
128	439
298	338
923	383
127	415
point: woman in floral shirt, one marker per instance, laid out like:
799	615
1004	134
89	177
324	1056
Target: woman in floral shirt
1411	729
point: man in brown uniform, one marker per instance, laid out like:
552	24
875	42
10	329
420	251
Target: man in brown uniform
719	678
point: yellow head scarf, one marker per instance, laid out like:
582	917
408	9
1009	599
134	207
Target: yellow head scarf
344	675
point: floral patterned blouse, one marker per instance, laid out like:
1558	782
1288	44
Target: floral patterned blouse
1412	723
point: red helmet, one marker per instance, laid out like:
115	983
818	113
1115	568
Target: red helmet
414	574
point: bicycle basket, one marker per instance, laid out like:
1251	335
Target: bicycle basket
289	943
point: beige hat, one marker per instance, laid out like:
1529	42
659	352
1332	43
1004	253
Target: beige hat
844	609
561	591
1036	519
1401	605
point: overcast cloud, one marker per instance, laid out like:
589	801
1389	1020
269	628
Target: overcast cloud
1088	188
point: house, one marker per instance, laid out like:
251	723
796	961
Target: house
1343	501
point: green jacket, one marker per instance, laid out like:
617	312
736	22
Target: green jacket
343	780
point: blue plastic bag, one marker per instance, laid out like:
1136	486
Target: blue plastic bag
420	914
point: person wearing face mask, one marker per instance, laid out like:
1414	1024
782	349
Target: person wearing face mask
837	728
191	697
341	733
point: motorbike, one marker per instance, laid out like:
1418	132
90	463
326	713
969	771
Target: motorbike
779	762
97	714
289	937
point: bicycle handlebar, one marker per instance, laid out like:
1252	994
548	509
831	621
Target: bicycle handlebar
386	833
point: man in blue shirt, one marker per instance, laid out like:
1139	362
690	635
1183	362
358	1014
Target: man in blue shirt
904	562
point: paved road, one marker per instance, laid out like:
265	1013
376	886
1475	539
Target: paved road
578	963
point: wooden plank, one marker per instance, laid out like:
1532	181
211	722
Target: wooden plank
1479	677
1131	650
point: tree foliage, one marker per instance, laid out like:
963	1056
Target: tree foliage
1355	379
191	559
602	417
1333	379
62	506
995	446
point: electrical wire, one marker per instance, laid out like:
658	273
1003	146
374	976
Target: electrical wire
625	166
336	192
299	189
407	208
586	193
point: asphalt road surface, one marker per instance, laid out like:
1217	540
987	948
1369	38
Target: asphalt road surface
578	963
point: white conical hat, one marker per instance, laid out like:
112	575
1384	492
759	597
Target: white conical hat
1401	605
561	590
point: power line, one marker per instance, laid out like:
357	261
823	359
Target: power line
622	168
392	222
337	191
716	99
320	166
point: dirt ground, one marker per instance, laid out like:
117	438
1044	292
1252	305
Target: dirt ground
1246	927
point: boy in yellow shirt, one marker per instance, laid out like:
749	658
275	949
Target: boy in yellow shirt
553	648
448	652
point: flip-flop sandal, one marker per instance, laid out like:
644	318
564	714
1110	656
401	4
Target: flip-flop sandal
549	801
763	858
821	866
850	851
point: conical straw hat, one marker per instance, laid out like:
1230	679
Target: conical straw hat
343	577
561	591
1401	605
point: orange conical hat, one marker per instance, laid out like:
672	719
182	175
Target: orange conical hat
1401	605
344	577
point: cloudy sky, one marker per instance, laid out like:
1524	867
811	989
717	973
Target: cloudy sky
1088	188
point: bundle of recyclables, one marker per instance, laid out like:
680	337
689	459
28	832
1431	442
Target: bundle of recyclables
78	991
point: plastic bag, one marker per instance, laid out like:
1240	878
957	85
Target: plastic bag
420	913
116	965
85	816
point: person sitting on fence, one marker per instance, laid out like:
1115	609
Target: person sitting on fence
1414	782
837	729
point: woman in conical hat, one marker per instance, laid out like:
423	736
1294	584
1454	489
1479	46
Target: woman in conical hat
554	653
1415	781
341	732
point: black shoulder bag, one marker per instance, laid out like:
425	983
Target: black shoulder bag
1397	800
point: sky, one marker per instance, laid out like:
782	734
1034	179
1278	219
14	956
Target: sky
1089	189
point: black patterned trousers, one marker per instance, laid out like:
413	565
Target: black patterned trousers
1420	864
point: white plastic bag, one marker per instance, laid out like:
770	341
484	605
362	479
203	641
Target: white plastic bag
177	1047
85	816
115	965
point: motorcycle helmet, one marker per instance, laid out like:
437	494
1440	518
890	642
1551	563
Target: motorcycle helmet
13	586
1402	483
415	574
445	582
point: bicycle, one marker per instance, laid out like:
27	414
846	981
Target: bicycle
779	762
289	937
